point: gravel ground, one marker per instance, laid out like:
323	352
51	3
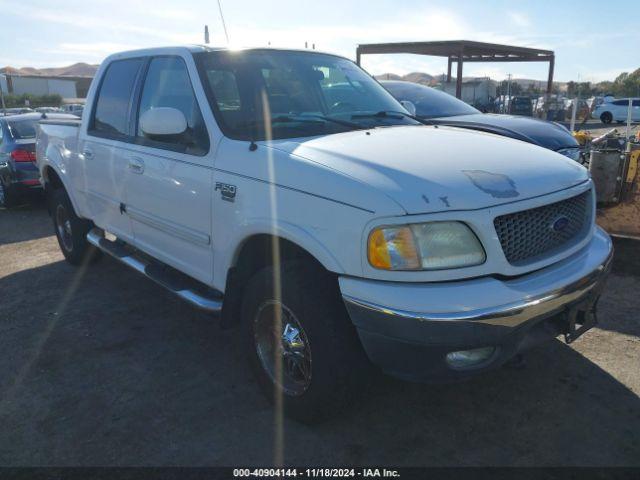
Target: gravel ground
101	367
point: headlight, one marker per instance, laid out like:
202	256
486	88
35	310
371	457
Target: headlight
572	153
424	246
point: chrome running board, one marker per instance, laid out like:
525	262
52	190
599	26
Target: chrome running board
184	287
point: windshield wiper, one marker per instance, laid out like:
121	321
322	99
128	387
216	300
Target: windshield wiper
279	119
390	114
302	118
315	119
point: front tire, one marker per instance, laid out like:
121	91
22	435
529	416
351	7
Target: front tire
71	230
606	118
301	345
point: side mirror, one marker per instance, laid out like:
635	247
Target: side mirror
163	121
409	106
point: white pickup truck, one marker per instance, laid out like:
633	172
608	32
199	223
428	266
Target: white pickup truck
289	193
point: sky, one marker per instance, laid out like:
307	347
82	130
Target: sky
592	40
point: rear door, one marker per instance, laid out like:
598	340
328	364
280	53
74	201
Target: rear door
170	179
103	147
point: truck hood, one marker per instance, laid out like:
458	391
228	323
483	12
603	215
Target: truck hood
433	169
532	130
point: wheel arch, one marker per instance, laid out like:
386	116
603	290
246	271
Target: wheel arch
54	180
260	250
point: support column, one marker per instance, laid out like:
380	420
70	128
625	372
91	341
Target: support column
550	80
449	70
459	79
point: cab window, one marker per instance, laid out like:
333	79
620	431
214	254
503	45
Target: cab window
111	116
167	84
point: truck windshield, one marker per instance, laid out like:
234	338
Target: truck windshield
259	94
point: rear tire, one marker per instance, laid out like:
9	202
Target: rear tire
7	196
71	230
606	117
312	357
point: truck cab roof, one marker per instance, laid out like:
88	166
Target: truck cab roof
183	49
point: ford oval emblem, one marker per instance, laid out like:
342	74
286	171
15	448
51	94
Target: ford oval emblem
559	224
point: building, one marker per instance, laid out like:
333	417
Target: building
478	92
65	86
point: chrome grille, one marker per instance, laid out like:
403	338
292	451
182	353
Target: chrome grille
530	234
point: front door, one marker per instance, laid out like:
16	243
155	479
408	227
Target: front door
169	188
103	148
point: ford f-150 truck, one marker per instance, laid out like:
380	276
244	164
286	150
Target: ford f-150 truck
292	195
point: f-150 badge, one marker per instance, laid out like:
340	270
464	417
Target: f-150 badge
227	191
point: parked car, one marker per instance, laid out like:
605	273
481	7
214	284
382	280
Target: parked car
617	109
514	105
73	109
16	111
18	172
49	110
327	225
441	108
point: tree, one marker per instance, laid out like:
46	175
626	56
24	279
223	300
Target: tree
627	84
53	100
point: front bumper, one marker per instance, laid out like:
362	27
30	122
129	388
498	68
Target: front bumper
407	329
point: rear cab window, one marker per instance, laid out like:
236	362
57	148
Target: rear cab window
112	109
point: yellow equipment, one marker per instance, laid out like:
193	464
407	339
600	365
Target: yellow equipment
622	216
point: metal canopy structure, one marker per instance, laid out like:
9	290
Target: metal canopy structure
461	51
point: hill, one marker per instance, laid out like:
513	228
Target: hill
75	70
415	77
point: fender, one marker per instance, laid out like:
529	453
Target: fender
263	226
54	159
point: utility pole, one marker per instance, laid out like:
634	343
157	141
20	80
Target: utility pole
206	34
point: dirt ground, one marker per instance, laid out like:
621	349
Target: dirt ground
102	367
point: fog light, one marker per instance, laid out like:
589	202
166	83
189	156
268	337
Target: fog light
468	358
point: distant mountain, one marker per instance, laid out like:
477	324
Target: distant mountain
427	79
418	77
415	77
389	76
75	70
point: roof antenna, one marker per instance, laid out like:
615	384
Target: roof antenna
206	34
224	25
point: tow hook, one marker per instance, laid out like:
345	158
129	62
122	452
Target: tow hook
579	321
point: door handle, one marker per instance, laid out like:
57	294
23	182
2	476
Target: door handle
88	154
136	165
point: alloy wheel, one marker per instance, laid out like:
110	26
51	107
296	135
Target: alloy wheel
282	347
63	227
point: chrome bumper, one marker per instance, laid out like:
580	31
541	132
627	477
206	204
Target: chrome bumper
511	314
408	329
